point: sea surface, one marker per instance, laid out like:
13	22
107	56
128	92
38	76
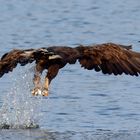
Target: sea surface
82	104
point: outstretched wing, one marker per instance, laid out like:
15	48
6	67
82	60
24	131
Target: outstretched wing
10	60
110	59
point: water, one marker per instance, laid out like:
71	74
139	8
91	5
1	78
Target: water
19	107
82	104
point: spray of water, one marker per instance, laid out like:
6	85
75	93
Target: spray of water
20	109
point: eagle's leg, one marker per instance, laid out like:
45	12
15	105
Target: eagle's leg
36	80
52	72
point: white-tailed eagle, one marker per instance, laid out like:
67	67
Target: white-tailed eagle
109	58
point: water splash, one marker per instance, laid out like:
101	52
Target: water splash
20	109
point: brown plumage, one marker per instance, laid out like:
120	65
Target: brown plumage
109	58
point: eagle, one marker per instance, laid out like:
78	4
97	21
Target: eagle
110	58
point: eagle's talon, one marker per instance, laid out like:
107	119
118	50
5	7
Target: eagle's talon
36	91
45	92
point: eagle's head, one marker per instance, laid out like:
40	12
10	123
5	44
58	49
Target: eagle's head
43	52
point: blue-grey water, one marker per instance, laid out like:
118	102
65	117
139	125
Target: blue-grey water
82	105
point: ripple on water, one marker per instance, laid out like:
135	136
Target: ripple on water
80	99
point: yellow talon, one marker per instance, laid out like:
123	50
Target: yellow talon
45	92
36	91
